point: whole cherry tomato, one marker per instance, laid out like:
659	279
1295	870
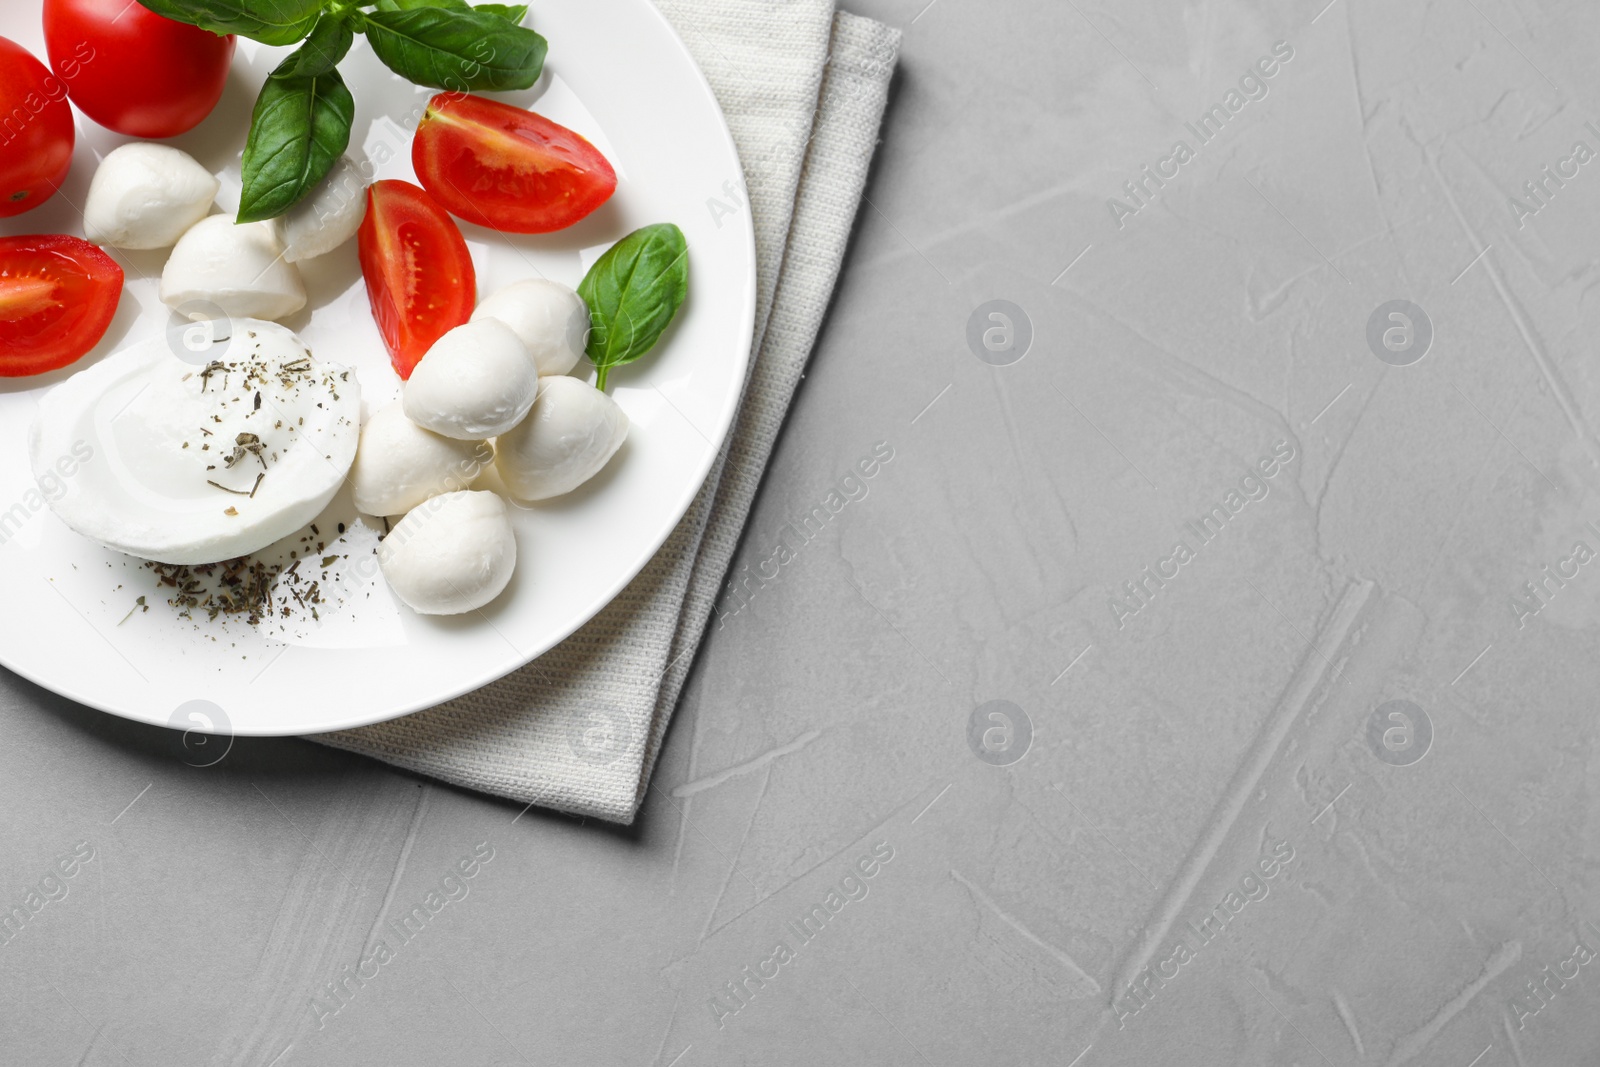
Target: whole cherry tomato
134	71
36	135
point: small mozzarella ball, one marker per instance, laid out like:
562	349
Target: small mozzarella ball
399	464
328	217
237	270
145	196
451	554
475	382
572	432
552	320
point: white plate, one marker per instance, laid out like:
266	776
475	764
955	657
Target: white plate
619	75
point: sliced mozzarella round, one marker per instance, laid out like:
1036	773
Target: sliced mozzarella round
222	270
329	215
451	554
552	320
475	382
572	432
399	464
145	196
197	461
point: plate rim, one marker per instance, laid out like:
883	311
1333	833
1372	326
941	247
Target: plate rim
718	439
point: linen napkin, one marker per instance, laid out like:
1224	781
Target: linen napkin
803	88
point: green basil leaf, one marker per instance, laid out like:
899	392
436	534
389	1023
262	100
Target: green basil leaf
510	12
633	291
456	50
329	42
412	5
275	22
300	127
513	13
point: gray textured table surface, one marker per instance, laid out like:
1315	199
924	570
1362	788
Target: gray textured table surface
1202	831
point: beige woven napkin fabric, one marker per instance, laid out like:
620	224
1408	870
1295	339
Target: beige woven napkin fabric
803	89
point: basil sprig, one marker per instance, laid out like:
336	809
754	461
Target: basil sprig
457	50
275	22
510	12
302	119
300	128
633	291
329	42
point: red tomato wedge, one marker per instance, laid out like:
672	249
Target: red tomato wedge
507	168
57	296
419	273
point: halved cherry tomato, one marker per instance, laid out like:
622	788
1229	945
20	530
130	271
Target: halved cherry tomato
507	168
36	135
132	70
419	273
57	296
